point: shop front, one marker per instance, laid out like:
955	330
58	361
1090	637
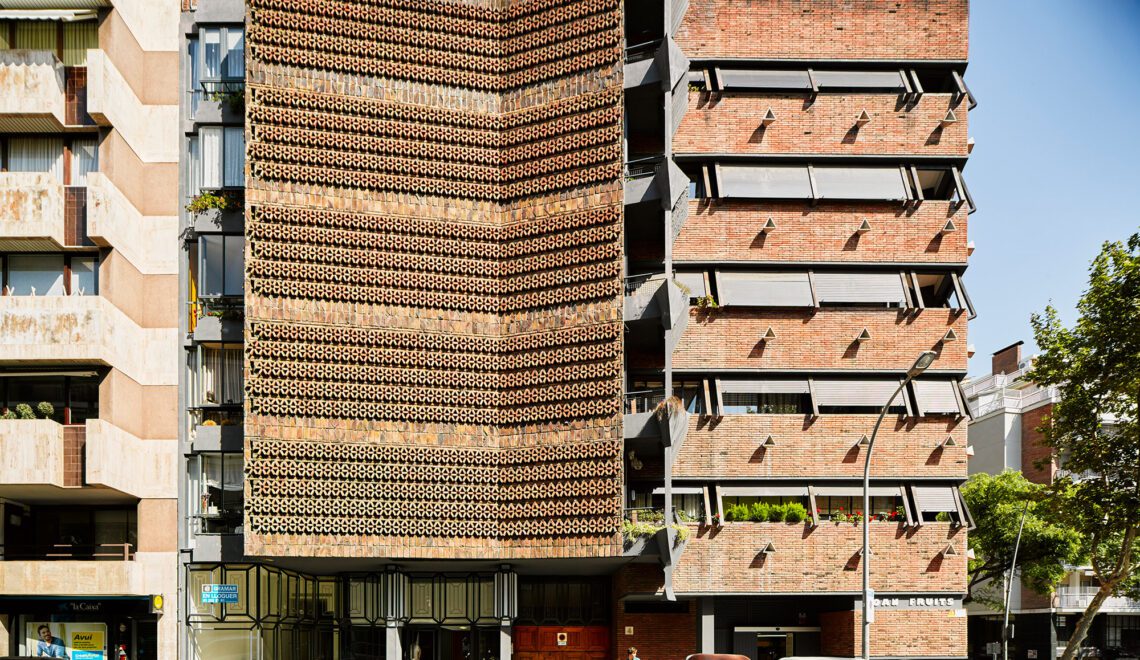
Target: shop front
80	628
260	612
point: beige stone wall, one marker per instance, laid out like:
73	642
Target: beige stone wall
31	211
142	468
31	84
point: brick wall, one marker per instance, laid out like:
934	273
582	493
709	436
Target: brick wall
821	559
654	635
730	123
730	447
826	29
902	633
819	339
728	230
1033	447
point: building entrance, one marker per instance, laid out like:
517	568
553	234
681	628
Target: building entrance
776	642
451	643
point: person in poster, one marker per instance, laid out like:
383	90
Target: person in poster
48	645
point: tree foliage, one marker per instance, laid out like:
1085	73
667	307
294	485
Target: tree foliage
1047	544
1094	427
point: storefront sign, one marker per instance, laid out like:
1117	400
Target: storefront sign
77	641
219	593
917	603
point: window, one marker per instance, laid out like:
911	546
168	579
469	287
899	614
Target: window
221	269
223	54
834	289
689	392
220	499
216	376
694	281
937	502
764	289
216	158
763	181
911	82
75	398
856	396
75	532
858	183
766	397
940	290
838	506
49	274
937	397
47	155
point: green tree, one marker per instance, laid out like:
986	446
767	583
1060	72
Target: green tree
1047	545
1096	367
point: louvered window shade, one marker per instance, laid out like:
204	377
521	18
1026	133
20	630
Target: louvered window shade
856	491
859	79
693	281
780	289
768	182
766	491
936	397
860	183
934	499
764	79
764	386
858	393
883	288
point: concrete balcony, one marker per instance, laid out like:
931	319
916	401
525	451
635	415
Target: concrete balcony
115	459
32	91
146	573
38	452
150	130
660	62
655	297
113	221
757	558
85	330
37	212
41	455
1077	599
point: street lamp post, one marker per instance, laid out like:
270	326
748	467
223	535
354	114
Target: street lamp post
924	360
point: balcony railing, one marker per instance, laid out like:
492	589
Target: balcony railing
642	401
643	167
642	51
68	552
1069	598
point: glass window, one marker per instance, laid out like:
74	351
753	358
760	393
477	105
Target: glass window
222	269
235	53
84	159
219	378
211	53
747	403
842	506
233	164
36	155
211	156
36	275
221	495
83	282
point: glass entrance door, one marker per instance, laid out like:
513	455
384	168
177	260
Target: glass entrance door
451	643
773	646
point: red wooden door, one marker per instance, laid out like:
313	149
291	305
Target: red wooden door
581	642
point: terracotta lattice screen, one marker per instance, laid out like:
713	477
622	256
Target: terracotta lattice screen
433	293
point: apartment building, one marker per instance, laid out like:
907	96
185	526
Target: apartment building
88	328
507	324
1009	411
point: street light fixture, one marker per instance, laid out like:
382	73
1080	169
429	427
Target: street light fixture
921	363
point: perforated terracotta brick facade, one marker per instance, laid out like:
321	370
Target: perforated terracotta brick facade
434	296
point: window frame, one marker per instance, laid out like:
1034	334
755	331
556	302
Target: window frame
200	494
203	272
67	273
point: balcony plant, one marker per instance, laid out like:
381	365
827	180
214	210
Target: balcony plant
45	410
24	411
647	523
208	200
792	512
233	99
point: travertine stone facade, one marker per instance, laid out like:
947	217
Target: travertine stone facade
434	300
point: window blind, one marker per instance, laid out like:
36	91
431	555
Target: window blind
856	392
765	181
764	289
884	288
936	397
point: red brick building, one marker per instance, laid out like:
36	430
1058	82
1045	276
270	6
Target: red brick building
564	322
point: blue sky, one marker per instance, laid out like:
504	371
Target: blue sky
1056	166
